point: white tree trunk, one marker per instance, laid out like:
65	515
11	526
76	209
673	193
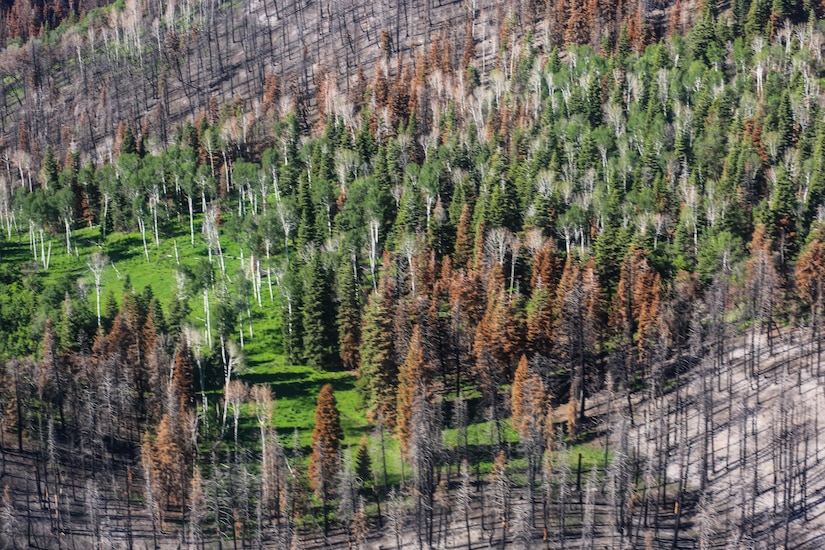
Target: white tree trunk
191	221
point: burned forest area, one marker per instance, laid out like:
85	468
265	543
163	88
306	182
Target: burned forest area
414	274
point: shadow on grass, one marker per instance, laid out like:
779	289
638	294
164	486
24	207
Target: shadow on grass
124	248
302	385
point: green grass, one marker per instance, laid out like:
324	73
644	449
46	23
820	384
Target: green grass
295	387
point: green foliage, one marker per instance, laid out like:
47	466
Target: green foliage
679	149
320	337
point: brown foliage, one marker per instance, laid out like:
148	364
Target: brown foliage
528	400
499	337
326	441
810	270
637	299
166	460
413	376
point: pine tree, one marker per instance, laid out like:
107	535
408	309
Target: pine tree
413	377
349	314
183	378
9	524
110	311
761	290
518	399
810	283
50	169
758	17
363	463
167	461
783	211
463	241
50	381
326	442
307	223
378	371
540	306
318	315
500	486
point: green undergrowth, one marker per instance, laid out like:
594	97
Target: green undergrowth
294	387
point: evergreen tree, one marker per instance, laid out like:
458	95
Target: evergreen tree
183	378
363	463
413	378
378	371
50	169
326	442
783	210
349	313
320	347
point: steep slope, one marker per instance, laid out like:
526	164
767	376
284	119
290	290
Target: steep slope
154	65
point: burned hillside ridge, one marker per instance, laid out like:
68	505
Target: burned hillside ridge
154	66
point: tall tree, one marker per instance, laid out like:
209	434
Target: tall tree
540	306
183	378
326	442
528	403
50	382
319	338
413	378
761	290
349	312
167	459
378	371
810	284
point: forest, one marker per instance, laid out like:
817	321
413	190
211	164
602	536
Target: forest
525	275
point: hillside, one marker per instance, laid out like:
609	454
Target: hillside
414	274
154	66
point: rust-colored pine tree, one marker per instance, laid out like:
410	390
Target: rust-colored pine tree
638	286
526	394
467	294
634	315
647	300
326	442
413	377
166	460
577	329
348	318
466	308
498	340
469	53
556	16
578	23
529	408
463	239
489	348
569	277
810	283
123	345
381	88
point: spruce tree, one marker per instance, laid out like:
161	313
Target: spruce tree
183	379
378	371
326	442
349	313
318	316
